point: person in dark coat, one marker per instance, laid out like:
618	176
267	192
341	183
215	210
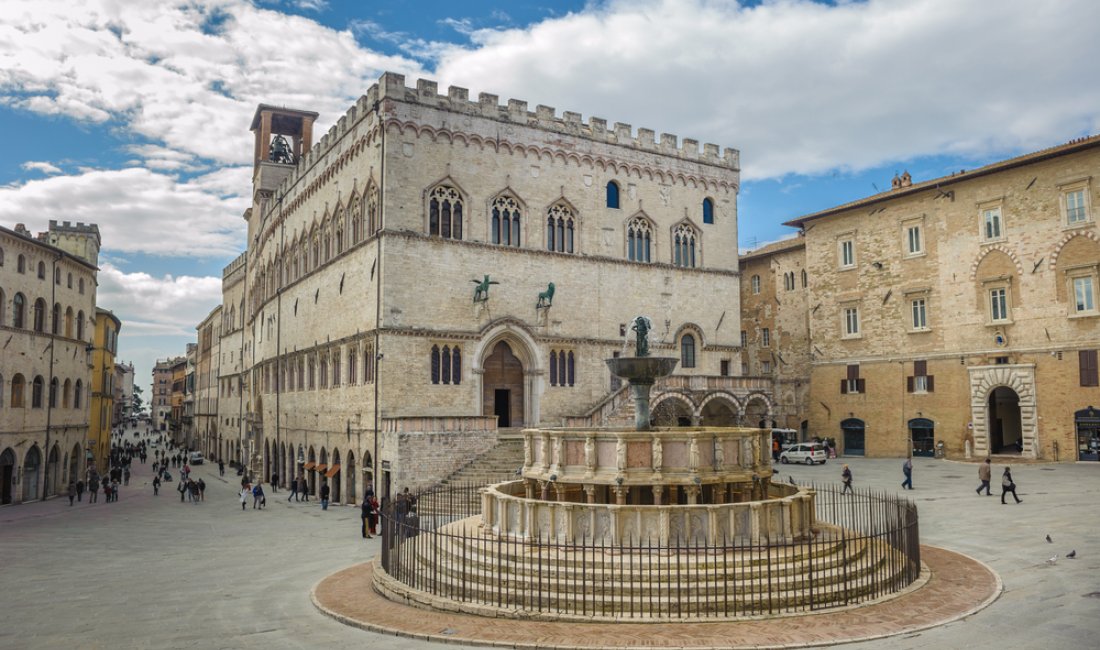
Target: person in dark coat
293	490
80	490
325	491
1008	486
846	477
366	513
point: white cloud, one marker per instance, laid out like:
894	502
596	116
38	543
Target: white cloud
188	75
804	87
140	210
41	166
149	305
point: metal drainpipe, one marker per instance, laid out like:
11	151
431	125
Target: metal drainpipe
279	333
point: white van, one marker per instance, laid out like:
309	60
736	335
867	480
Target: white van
195	458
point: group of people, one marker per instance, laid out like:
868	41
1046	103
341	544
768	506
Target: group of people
985	475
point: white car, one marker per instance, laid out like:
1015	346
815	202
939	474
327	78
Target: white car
806	452
195	458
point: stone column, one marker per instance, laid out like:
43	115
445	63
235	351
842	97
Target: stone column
560	492
544	490
590	493
692	492
658	493
620	494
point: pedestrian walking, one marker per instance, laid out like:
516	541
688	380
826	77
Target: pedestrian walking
181	487
126	475
293	490
194	489
985	474
72	493
303	488
775	450
221	468
114	490
846	477
274	482
324	494
1008	486
258	499
156	485
245	492
202	490
364	515
80	490
907	470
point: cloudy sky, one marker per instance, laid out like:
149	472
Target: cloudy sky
134	115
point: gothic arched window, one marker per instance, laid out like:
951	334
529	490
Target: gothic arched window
687	351
18	391
505	225
683	246
553	367
40	315
41	270
53	393
445	212
639	240
435	364
612	194
456	366
80	325
561	226
374	219
78	394
55	320
18	311
445	363
36	392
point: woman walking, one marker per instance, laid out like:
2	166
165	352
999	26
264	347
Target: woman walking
846	477
1007	486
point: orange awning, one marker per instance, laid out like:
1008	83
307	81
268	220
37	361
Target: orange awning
321	467
310	465
332	471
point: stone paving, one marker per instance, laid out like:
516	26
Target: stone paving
150	572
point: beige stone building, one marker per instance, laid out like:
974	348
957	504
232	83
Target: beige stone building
434	268
207	370
47	311
961	311
229	439
775	332
160	396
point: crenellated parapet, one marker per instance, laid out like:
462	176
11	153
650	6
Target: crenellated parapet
364	119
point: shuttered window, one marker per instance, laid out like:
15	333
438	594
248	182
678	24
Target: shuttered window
1089	375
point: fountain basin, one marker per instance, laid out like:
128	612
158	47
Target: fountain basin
642	370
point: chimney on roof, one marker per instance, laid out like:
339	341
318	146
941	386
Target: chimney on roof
906	179
895	182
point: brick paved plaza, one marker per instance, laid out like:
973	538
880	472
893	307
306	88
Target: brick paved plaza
152	572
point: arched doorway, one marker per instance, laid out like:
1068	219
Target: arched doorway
31	465
718	412
7	475
350	474
502	386
54	471
757	412
1004	426
333	475
1087	424
922	432
311	463
74	463
671	410
853	432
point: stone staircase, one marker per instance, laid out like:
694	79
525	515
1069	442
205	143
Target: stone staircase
500	463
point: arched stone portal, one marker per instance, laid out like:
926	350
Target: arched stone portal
503	386
719	410
7	472
506	360
1005	421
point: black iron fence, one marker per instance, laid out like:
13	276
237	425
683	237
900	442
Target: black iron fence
866	546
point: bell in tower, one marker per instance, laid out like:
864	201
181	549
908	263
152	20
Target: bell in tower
283	136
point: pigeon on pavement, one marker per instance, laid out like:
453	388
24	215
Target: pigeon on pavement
1072	554
1052	559
1049	540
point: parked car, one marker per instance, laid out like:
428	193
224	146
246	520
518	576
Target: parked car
196	458
806	452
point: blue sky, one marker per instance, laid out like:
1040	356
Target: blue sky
135	115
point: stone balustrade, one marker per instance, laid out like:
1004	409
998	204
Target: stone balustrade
785	517
626	457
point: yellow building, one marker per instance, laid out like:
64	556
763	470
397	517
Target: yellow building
104	349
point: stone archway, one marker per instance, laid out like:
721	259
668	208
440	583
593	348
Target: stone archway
672	410
495	369
990	419
757	411
502	386
31	464
719	410
7	474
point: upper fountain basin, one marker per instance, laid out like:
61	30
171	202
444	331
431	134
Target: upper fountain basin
642	370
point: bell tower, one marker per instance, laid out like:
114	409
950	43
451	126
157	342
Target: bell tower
283	136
